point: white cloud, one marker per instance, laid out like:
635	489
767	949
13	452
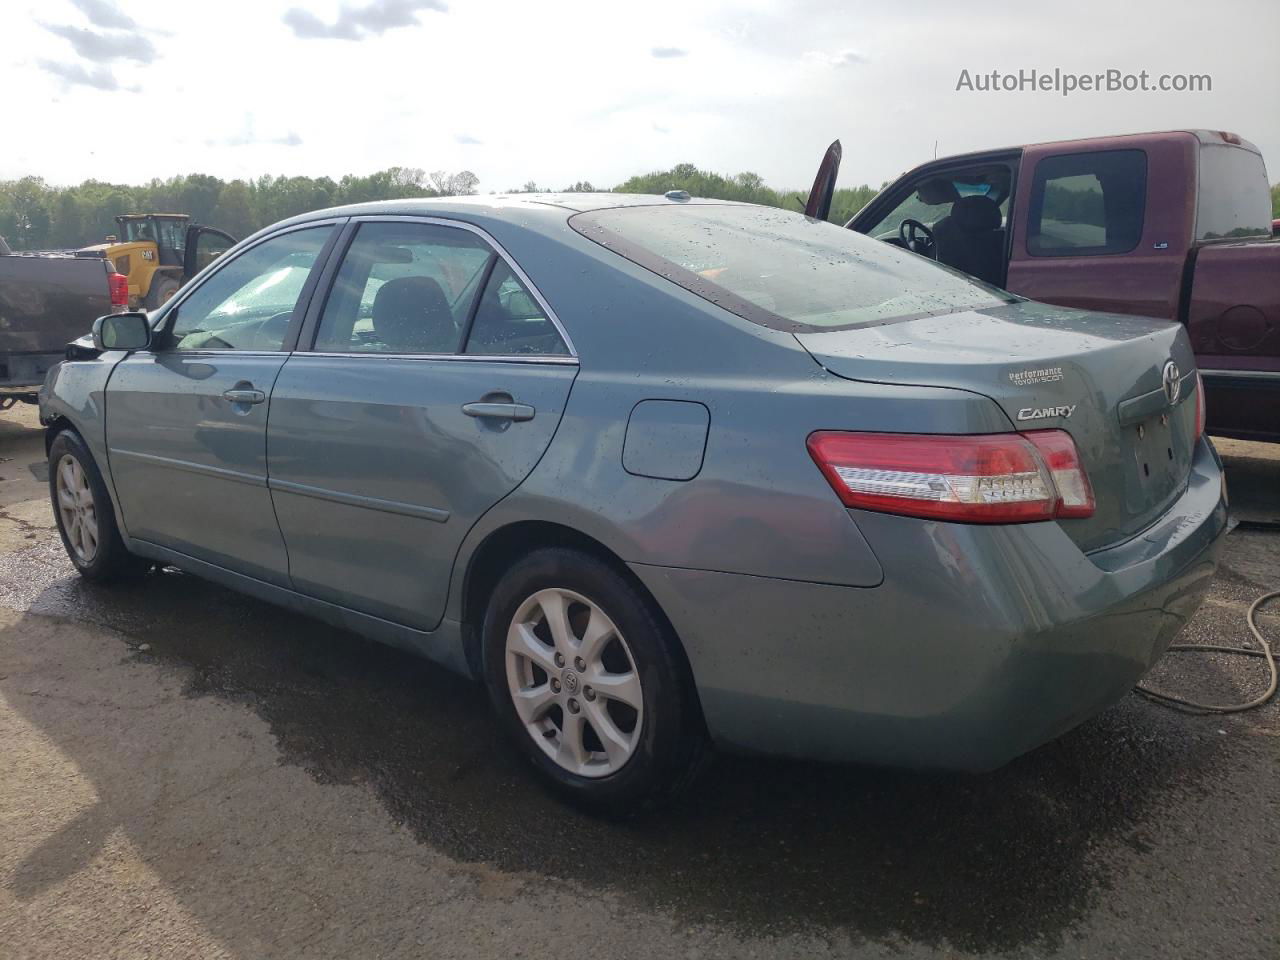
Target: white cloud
74	74
105	47
572	91
104	13
356	22
841	58
247	136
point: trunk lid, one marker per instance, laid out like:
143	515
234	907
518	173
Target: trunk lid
1100	377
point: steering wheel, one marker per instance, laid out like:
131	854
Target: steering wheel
274	328
917	238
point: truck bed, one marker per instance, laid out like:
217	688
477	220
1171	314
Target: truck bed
1233	316
45	302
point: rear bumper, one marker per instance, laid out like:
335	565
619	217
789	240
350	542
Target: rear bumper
981	643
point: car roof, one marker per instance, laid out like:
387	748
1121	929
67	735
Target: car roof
501	206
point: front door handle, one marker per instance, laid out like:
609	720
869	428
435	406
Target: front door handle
244	396
499	411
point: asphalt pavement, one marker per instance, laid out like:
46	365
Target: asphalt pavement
190	773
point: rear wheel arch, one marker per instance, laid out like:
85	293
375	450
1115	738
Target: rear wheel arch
507	545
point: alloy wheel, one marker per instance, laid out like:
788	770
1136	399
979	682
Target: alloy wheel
574	683
76	508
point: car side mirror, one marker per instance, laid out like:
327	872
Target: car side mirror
122	331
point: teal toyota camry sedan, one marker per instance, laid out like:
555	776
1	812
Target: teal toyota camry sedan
661	474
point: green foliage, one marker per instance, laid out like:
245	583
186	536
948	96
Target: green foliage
37	216
743	187
582	186
1275	201
1074	206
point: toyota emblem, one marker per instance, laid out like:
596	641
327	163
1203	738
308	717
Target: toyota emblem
1171	379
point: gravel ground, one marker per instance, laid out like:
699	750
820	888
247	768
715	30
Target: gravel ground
190	773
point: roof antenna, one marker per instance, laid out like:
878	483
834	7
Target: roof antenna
935	149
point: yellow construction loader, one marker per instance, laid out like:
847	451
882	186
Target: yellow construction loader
158	252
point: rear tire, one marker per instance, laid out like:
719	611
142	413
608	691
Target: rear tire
163	286
606	712
84	514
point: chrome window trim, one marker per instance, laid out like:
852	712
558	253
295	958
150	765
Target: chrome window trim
213	351
558	359
500	250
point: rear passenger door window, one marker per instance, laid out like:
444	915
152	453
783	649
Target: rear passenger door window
1087	204
509	322
404	288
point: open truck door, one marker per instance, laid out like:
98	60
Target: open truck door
204	245
818	205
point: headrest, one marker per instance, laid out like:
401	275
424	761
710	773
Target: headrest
412	314
975	214
936	191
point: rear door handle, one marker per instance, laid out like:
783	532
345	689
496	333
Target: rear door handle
244	396
499	411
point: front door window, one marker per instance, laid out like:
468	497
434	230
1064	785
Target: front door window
250	302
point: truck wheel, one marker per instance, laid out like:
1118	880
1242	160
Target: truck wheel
86	519
162	288
586	679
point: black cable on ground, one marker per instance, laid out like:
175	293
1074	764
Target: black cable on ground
1266	653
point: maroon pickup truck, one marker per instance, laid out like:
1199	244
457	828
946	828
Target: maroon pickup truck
1174	225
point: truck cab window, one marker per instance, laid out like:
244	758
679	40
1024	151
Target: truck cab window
1087	204
965	212
1234	200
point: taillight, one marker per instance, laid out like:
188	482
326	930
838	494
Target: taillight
118	285
1058	451
1200	409
986	478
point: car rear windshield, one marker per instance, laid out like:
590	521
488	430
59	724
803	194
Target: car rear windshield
783	269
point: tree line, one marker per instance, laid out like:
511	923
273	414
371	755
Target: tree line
35	215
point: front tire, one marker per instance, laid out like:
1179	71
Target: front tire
586	679
84	514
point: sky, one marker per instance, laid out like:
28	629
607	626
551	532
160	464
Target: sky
557	91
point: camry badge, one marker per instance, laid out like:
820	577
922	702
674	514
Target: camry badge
1039	413
1171	380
